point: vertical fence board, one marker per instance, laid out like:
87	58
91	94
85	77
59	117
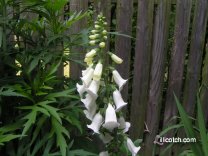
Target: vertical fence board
204	89
157	73
195	56
181	33
141	67
123	44
76	6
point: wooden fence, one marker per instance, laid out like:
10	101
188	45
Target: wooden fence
161	61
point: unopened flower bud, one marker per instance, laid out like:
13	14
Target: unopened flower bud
94	31
116	59
105	23
102	45
97	26
104	32
98	72
91	54
105	37
92	37
92	42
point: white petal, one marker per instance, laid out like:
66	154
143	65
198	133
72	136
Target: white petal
96	123
119	80
118	100
110	118
104	153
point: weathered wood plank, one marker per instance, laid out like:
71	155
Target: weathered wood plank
76	6
136	1
204	87
176	71
195	56
123	44
157	73
141	67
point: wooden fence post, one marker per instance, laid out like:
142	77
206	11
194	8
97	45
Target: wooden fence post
195	56
157	73
76	6
123	44
141	67
176	70
204	89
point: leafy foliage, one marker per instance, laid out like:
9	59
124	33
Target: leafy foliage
40	112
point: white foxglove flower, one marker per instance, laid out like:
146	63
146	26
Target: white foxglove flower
106	138
98	71
88	77
116	59
89	101
96	123
90	113
91	54
132	148
110	118
124	125
84	72
118	100
93	88
119	80
104	153
80	89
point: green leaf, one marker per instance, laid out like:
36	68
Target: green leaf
59	130
52	111
80	152
8	137
33	64
65	93
188	127
31	118
12	127
202	127
74	121
39	124
166	130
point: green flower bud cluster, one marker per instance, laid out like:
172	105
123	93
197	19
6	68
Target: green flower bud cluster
98	35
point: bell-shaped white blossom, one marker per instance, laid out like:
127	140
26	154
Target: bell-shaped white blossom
89	101
84	72
119	80
96	123
90	113
81	89
98	72
118	100
110	118
132	148
104	153
93	88
106	138
124	125
86	79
